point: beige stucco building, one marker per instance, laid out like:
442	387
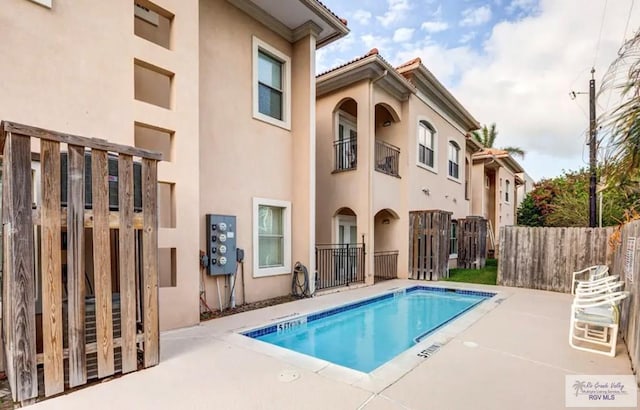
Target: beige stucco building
224	89
495	186
389	141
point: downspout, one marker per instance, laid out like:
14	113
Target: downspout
372	154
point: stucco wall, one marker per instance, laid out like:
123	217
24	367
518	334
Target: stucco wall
443	192
71	69
242	157
348	188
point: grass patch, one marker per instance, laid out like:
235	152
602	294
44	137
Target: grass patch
485	276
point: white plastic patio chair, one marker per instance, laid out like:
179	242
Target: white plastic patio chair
594	322
604	285
591	273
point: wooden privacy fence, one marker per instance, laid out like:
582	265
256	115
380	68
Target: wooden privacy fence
472	242
429	233
45	262
545	258
626	263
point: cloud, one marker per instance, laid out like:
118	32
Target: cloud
446	64
476	17
526	6
371	41
395	13
526	93
362	16
520	77
324	59
438	13
403	34
468	37
434	26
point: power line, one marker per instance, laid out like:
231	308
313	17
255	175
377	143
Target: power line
604	13
624	37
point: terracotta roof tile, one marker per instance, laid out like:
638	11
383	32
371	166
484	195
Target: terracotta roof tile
416	61
373	51
343	20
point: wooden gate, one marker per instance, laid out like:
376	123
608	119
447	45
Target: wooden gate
429	244
122	294
472	242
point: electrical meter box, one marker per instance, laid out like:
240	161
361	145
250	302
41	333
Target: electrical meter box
221	244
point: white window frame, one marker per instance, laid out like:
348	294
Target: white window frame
434	168
453	144
259	45
457	237
507	187
286	219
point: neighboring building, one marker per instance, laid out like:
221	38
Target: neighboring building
524	188
389	141
495	183
224	89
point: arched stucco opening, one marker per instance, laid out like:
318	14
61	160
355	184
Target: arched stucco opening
345	224
345	143
387	140
386	234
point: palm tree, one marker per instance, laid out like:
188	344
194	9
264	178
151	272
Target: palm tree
622	123
487	137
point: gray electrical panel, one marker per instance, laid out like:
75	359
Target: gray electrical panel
221	244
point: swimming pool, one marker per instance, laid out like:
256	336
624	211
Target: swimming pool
368	333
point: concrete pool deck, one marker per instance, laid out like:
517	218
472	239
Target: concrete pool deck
515	356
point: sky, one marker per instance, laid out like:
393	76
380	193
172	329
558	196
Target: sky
512	62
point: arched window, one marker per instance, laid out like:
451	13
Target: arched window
454	160
507	186
426	143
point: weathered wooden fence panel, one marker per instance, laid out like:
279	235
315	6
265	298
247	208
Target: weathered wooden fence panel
18	319
83	334
472	242
545	258
626	263
429	244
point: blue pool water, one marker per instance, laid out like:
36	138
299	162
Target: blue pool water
365	335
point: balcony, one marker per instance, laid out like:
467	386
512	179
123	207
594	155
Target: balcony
387	159
345	154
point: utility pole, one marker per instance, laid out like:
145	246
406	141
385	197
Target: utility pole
592	150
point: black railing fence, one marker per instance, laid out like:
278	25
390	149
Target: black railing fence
339	265
385	265
387	158
345	154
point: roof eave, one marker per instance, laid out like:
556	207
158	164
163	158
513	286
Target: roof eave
426	82
371	67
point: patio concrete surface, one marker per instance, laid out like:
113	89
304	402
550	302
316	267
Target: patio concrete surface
515	356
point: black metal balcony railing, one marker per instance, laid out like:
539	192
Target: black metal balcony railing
339	265
386	265
425	155
345	154
387	158
453	169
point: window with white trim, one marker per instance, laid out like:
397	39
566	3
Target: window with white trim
454	160
507	185
271	85
426	143
271	237
453	238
